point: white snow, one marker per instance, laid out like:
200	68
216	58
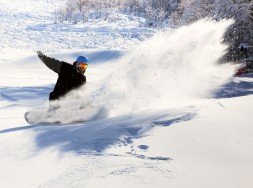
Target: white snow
172	117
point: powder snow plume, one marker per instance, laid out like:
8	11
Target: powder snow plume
173	68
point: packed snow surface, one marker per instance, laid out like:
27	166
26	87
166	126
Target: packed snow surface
162	113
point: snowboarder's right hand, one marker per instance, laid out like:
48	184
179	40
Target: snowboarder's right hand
39	53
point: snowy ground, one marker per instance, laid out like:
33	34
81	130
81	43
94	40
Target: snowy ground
29	24
184	137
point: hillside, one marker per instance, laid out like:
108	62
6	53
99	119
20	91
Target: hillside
162	112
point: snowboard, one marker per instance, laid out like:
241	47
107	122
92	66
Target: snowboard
39	118
63	116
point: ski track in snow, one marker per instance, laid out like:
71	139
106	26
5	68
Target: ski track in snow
166	147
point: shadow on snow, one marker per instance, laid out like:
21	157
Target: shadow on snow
18	94
240	86
96	136
100	134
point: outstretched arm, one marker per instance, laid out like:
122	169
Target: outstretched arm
53	64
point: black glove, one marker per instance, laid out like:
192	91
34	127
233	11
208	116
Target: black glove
39	53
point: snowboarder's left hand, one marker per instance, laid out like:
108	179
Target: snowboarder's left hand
39	53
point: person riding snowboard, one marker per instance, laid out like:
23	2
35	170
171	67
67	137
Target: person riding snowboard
69	76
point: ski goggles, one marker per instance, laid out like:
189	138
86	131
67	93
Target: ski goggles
82	66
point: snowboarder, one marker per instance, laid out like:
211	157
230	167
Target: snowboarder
69	76
244	47
247	66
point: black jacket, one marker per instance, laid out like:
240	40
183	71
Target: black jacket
68	77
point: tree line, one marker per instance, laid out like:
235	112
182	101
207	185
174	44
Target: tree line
172	13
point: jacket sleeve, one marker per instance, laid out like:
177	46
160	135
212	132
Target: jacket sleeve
53	64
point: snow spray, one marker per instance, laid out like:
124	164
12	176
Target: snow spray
172	68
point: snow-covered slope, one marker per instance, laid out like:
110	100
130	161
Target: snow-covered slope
29	25
174	118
